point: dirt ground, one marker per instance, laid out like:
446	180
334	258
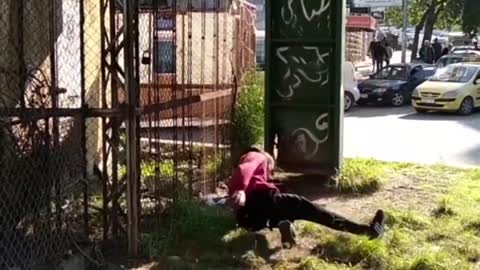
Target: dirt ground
403	190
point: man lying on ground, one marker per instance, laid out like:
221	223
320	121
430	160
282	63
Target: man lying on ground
259	204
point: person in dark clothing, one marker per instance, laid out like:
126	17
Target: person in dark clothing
371	52
380	54
475	46
437	48
389	50
258	203
447	50
427	54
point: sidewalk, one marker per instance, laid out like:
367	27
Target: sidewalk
364	69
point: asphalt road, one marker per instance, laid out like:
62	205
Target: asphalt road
400	134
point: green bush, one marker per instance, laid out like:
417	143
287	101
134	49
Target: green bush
248	114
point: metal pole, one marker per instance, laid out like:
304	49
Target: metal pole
131	127
404	31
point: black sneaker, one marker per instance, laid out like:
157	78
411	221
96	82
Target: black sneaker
378	224
287	232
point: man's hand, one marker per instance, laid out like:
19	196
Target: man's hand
238	199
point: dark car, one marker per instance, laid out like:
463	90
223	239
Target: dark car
393	84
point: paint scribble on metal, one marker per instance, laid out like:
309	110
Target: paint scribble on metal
303	82
302	136
301	17
306	65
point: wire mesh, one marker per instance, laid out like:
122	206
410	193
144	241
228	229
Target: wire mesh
64	113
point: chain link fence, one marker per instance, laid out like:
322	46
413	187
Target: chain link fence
64	116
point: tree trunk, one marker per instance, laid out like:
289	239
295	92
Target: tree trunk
430	23
419	28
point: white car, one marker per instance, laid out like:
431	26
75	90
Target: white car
350	86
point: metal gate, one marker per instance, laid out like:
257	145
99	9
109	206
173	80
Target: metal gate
108	109
304	108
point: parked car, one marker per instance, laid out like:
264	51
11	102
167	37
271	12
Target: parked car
466	52
260	49
350	87
456	58
393	84
459	39
457	49
455	88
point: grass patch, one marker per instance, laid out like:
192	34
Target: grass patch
361	176
354	250
312	263
190	221
443	235
407	219
444	208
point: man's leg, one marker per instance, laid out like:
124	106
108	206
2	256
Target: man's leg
293	207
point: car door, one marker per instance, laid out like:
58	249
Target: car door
416	77
477	89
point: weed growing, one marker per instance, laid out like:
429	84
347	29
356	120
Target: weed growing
361	176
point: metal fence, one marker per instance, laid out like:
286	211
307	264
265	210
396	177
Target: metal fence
108	109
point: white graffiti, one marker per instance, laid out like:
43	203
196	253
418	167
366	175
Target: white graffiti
324	7
295	74
290	18
301	135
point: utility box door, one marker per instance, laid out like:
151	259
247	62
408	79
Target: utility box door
304	94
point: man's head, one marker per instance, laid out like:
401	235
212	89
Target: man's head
426	43
268	157
435	40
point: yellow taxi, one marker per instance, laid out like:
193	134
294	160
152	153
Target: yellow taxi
454	88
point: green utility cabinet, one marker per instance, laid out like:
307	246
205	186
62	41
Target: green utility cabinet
304	96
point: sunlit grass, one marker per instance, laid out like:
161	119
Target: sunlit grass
445	237
361	176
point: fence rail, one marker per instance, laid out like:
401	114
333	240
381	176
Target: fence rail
108	108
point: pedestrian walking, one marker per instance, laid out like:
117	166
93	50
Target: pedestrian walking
389	50
437	48
427	54
447	50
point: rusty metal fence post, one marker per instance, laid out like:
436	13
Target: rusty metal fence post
131	88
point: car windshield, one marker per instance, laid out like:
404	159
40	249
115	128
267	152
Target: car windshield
460	74
443	62
391	73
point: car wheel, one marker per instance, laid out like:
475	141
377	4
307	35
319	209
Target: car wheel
349	100
398	99
467	106
418	110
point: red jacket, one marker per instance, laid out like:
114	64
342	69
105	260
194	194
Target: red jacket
251	174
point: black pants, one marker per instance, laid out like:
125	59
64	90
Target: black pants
267	208
379	64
